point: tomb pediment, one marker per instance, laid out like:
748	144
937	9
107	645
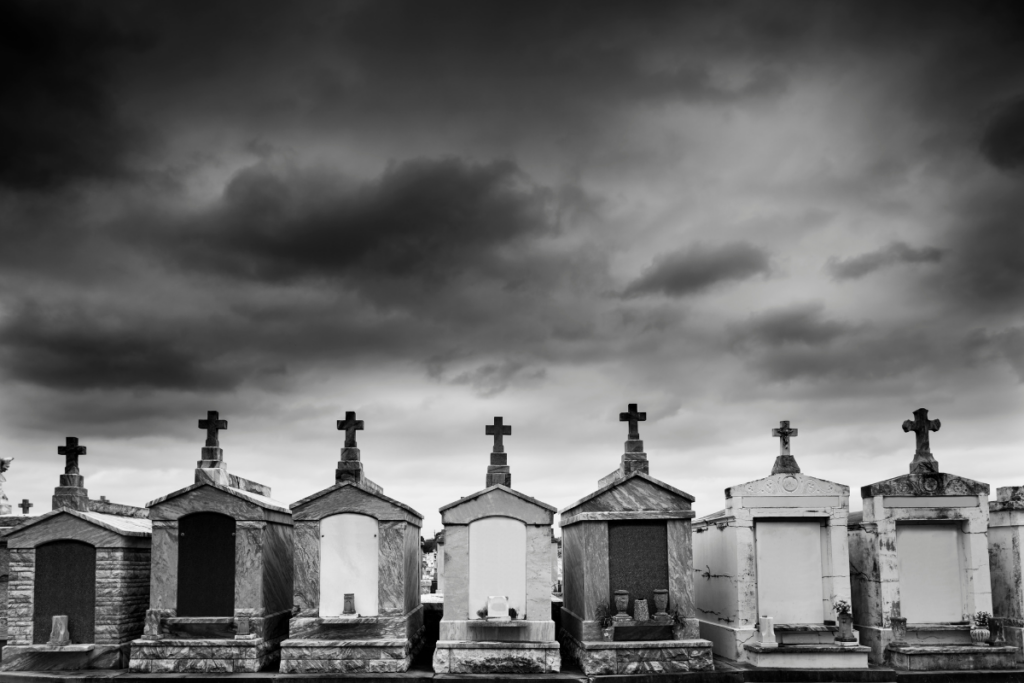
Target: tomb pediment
100	530
207	496
637	493
925	484
350	496
498	501
788	484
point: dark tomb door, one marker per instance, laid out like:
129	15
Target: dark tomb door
637	561
206	565
65	584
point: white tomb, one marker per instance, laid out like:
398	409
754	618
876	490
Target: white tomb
1006	558
777	556
919	558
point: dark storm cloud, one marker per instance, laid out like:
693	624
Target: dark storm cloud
802	324
59	121
895	253
1003	139
693	270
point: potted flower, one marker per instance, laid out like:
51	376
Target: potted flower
844	616
606	621
980	632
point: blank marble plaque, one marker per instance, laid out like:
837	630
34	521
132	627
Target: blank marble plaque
206	565
789	571
637	560
349	559
65	584
930	574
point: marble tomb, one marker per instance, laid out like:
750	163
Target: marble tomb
221	590
497	552
919	566
79	580
1006	563
357	558
771	571
624	546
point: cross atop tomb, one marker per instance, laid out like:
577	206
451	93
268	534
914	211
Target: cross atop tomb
782	433
633	417
351	425
25	506
498	430
921	426
71	450
213	424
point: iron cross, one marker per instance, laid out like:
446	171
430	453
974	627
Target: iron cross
783	432
72	450
25	505
351	425
213	424
497	430
921	426
632	416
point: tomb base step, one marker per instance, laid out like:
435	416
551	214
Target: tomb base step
345	656
194	655
950	657
807	656
483	657
68	658
645	657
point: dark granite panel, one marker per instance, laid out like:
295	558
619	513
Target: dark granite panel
65	584
199	630
278	567
637	560
206	565
644	632
347	632
573	563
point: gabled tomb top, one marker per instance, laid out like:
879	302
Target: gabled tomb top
788	484
498	501
636	492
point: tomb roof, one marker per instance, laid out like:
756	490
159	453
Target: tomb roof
625	480
369	490
925	484
498	501
125	526
261	501
713	517
506	489
787	484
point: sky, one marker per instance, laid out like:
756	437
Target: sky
435	213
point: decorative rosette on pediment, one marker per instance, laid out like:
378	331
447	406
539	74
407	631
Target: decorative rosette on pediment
927	484
788	484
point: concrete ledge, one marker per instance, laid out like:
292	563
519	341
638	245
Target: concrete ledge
950	657
458	657
67	658
810	656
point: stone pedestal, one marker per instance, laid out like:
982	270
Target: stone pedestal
323	638
509	555
777	553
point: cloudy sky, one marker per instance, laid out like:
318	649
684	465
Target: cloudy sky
432	213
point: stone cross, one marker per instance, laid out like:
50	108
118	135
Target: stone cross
351	425
71	450
632	416
921	426
783	432
497	430
213	424
25	506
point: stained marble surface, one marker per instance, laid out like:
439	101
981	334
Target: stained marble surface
163	592
456	568
391	568
278	567
680	568
538	573
412	567
497	501
307	568
635	493
235	503
573	561
351	497
249	565
102	531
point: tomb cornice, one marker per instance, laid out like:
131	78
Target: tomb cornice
102	531
635	505
623	515
493	502
788	484
350	496
248	504
925	484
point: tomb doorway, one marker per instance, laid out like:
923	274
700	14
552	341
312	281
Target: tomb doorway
65	584
789	571
929	571
206	565
349	563
497	564
637	561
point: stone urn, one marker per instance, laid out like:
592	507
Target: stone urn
899	629
979	636
621	603
845	621
660	604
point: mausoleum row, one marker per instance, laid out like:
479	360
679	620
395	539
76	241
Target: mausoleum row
218	576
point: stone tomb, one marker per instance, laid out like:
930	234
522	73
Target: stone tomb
1006	562
85	562
357	556
769	568
222	573
919	558
7	522
632	535
497	547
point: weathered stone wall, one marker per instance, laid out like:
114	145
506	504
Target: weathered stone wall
20	592
122	593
